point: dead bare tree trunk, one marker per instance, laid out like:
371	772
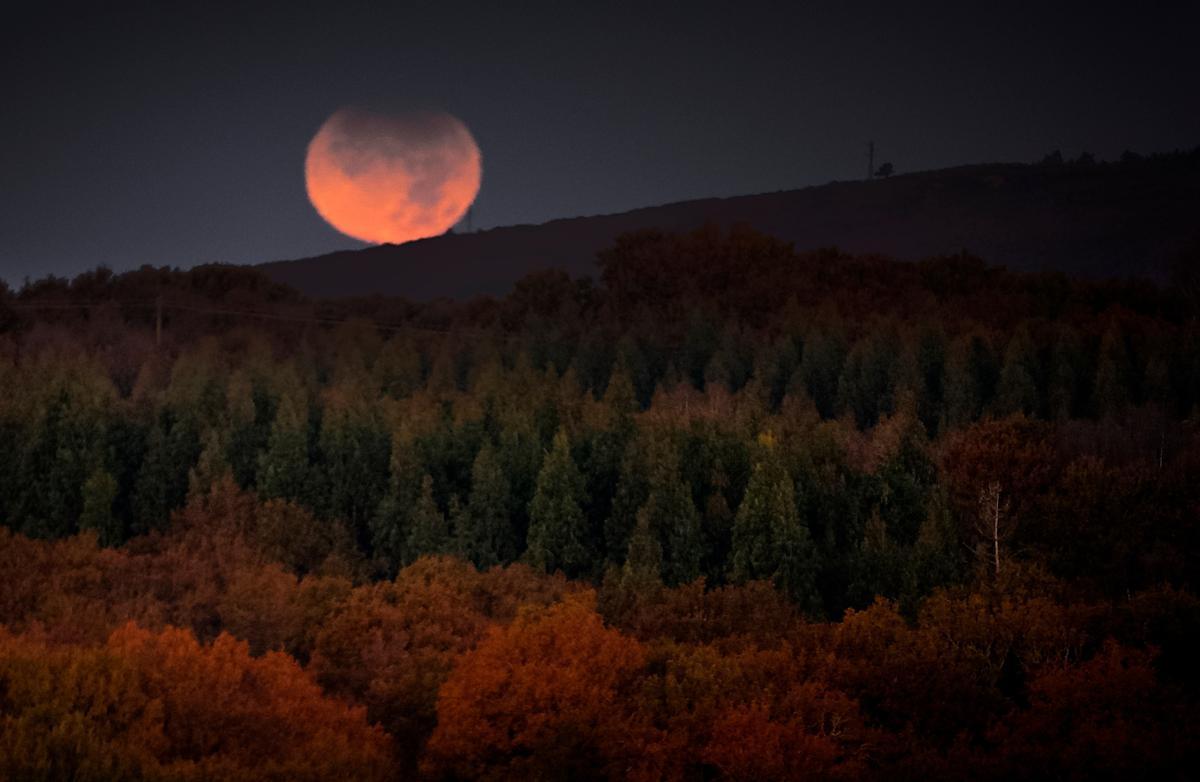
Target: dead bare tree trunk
990	524
996	525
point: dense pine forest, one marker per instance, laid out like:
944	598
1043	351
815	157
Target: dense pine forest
728	511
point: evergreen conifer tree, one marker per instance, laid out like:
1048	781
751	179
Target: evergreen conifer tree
672	516
428	532
390	525
99	494
769	540
631	492
283	468
485	535
1018	389
642	570
1113	373
557	525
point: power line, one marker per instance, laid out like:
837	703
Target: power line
670	351
52	305
161	305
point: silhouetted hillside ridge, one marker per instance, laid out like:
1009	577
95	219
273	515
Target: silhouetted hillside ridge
1089	220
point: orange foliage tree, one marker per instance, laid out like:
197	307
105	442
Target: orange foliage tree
162	706
813	732
1106	718
392	644
543	698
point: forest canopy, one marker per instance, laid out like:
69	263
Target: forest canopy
728	510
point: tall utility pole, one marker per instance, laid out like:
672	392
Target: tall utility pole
870	159
470	214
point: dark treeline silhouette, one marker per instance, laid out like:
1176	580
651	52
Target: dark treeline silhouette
1125	218
727	510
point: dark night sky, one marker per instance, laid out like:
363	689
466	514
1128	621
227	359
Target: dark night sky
151	135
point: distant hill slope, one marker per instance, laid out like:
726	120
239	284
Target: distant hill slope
1109	219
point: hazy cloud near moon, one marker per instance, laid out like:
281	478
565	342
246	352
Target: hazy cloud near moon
392	178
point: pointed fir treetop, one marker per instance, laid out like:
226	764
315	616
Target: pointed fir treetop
558	527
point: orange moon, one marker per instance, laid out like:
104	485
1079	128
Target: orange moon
392	178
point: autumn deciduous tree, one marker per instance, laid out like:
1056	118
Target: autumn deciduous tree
390	645
812	732
1106	718
927	678
542	698
161	706
290	535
